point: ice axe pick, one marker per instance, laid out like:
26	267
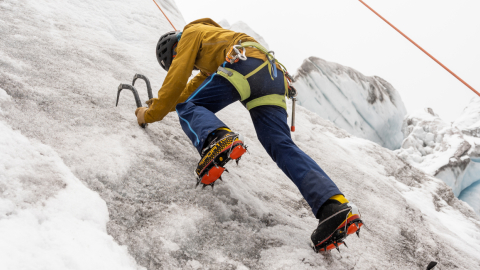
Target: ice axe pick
135	92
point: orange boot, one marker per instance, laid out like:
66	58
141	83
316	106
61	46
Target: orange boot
223	145
338	218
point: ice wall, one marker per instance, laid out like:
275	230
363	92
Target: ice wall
469	124
48	218
449	151
60	73
367	107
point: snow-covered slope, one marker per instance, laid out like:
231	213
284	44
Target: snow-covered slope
48	218
367	107
60	71
244	28
449	151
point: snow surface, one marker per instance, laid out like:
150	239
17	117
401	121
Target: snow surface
48	218
367	107
448	151
469	120
61	73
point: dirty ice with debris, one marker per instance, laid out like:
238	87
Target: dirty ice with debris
83	187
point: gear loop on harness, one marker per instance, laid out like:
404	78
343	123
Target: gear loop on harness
240	82
239	54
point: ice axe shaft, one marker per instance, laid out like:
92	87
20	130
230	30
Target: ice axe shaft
135	94
134	91
147	81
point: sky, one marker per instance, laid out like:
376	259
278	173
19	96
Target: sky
346	32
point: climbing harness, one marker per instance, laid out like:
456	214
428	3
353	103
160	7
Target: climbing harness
418	46
240	82
239	54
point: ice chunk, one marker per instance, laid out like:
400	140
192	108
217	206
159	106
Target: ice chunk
367	107
450	152
469	120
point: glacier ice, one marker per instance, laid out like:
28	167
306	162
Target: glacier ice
469	120
367	107
449	151
471	195
48	218
62	97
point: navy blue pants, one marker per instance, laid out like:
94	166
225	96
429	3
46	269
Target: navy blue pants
197	118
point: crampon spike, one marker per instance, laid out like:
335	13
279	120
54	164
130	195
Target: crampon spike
336	246
198	183
203	187
358	233
345	244
220	178
212	184
237	161
226	170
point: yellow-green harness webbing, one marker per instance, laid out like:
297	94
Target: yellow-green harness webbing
243	87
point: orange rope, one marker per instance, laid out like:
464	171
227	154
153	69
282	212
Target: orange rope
471	88
165	15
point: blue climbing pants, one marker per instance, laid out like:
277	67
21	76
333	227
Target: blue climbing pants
198	120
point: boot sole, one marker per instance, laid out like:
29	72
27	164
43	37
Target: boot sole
212	172
350	226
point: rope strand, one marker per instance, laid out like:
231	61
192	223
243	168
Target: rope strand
165	15
418	46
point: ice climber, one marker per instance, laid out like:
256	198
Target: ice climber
260	82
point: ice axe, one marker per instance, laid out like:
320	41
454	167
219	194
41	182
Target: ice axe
134	91
147	81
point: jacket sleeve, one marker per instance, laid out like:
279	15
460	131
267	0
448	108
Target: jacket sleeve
176	81
192	85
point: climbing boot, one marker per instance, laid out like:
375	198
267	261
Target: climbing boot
337	220
221	146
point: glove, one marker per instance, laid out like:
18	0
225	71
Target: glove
149	102
140	113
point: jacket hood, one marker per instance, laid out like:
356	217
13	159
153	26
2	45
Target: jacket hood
204	21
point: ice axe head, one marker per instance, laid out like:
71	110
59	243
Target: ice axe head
147	81
135	94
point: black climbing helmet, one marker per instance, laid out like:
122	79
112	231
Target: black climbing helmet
165	47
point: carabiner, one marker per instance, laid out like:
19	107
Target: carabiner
240	55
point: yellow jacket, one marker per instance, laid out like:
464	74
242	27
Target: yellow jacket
204	45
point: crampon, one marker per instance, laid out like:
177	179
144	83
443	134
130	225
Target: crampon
216	156
351	224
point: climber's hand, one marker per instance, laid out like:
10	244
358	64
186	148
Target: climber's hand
140	113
